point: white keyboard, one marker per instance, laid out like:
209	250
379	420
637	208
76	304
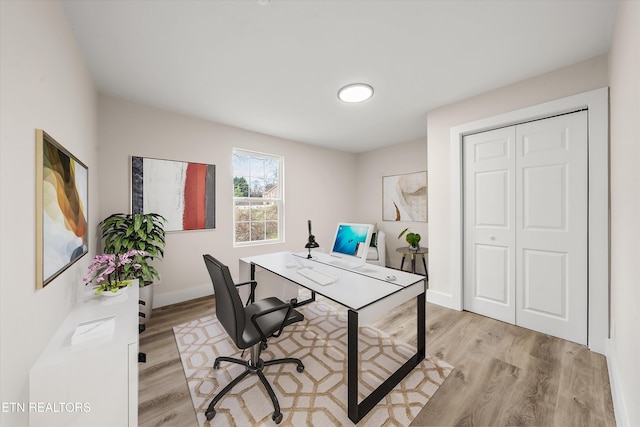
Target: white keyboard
316	276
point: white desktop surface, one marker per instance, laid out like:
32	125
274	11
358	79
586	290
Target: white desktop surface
358	289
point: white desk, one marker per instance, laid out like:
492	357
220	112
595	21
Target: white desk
366	293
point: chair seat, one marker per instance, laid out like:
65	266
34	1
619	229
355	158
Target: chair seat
269	323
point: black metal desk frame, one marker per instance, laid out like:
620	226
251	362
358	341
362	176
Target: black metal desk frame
356	411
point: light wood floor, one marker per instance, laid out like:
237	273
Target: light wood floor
504	375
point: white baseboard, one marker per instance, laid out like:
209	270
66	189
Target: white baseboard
160	300
444	300
617	395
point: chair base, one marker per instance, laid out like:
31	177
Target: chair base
252	366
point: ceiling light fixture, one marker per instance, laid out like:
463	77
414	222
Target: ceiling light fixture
355	92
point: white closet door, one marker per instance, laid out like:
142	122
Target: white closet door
525	235
489	238
551	234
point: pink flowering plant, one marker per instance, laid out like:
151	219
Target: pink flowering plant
112	271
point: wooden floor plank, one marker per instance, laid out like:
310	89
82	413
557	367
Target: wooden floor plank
475	389
504	375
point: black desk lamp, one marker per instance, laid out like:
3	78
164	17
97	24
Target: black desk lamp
311	243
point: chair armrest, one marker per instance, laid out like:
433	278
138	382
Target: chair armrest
250	282
292	304
282	306
252	293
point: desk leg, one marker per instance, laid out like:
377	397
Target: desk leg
307	301
355	410
402	262
252	295
421	300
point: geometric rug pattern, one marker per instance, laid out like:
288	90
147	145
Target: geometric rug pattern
317	396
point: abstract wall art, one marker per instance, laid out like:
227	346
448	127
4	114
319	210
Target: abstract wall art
183	192
62	194
404	197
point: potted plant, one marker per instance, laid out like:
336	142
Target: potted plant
413	239
108	270
140	232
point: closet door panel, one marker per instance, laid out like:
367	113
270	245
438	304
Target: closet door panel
551	226
489	275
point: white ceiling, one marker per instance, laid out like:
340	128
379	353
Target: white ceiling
276	69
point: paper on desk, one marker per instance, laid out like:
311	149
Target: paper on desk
93	329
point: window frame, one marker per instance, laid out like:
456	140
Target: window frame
278	201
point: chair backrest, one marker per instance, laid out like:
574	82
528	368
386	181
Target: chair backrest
229	308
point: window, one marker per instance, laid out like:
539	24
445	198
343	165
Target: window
257	198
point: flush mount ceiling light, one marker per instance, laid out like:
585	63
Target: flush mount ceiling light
356	92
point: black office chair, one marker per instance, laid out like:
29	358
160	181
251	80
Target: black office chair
248	327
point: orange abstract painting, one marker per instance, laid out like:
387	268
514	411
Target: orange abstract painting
61	206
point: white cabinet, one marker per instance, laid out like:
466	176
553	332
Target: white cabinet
93	382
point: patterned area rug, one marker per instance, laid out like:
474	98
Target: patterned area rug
317	396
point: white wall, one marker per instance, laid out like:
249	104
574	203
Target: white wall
372	166
578	78
43	84
319	185
624	348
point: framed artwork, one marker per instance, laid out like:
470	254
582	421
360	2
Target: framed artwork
183	192
62	194
404	197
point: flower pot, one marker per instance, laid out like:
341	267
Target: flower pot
146	297
115	294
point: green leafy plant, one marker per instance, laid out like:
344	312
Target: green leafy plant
141	232
413	239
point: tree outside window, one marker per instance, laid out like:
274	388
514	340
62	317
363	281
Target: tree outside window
258	198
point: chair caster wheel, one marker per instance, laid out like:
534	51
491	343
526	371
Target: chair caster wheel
216	365
277	418
210	414
300	368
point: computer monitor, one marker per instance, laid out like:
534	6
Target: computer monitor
351	243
